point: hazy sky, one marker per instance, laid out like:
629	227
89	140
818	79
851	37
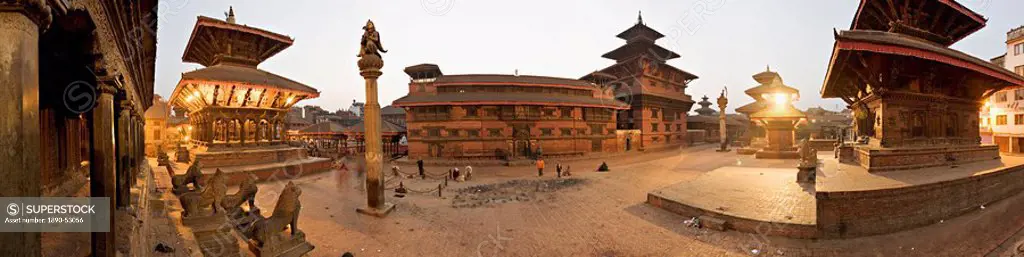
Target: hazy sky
722	41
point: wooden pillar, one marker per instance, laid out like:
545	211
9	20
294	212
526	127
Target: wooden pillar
20	25
104	164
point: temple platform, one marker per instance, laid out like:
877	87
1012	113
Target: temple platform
877	159
287	169
846	200
756	200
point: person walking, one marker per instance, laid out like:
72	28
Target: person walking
419	164
540	167
558	169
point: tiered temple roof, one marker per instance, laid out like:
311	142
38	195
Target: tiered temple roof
231	53
890	34
769	81
705	107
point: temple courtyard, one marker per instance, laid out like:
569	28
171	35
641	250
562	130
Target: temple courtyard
509	211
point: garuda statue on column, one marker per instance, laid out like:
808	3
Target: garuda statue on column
370	44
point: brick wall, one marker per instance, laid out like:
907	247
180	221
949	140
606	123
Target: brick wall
872	212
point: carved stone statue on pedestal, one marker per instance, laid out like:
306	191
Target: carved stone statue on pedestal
266	239
808	163
211	196
191	176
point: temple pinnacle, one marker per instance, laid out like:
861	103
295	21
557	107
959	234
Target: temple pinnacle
231	15
639	18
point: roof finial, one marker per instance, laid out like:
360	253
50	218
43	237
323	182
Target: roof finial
517	72
768	67
639	18
231	15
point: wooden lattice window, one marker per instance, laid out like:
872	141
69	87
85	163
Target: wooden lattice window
494	132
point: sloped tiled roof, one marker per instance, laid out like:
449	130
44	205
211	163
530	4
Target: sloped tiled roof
250	75
323	127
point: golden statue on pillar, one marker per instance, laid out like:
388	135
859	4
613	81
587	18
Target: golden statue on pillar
370	44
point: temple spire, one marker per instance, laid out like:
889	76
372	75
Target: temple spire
231	15
639	18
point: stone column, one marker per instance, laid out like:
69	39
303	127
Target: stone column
369	68
723	135
103	179
20	25
122	144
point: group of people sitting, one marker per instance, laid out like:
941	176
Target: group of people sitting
461	176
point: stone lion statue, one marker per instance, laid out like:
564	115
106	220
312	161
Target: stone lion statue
192	175
212	195
246	193
286	214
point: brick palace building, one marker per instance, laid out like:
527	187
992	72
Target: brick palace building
639	101
499	116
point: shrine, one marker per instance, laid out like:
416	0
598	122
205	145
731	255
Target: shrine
236	110
778	118
915	100
918	161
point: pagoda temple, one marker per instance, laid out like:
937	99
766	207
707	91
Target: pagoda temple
915	100
237	111
655	90
755	135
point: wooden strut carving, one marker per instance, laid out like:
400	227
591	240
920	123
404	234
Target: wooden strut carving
212	195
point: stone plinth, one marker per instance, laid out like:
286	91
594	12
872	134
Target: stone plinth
780	134
288	246
887	159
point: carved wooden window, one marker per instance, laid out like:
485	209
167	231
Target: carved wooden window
491	112
679	127
597	114
566	112
415	132
611	131
434	132
471	111
494	132
453	132
566	131
596	129
1000	119
473	133
1018	94
546	131
581	131
654	113
654	127
1018	119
